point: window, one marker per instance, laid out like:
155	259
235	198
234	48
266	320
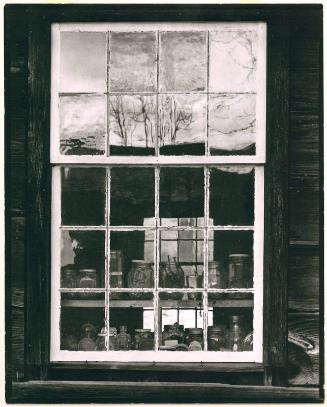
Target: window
158	155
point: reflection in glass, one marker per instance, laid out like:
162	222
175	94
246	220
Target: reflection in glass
80	328
132	124
232	124
136	266
133	61
233	60
132	195
182	124
82	196
133	319
183	61
181	322
82	124
181	192
83	62
181	258
82	259
234	251
232	325
232	195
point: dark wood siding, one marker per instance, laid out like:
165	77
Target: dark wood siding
304	180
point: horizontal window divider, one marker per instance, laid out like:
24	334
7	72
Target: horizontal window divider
83	290
131	290
229	227
74	227
172	92
230	290
170	161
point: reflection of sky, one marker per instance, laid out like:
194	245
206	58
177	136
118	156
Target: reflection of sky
232	121
132	61
183	61
83	62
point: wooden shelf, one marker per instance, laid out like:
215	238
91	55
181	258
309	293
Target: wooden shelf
148	303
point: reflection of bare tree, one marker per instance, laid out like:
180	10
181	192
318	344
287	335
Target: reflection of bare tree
127	113
173	118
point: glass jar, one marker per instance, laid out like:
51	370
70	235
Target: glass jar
112	338
194	338
171	275
216	337
123	339
173	334
141	276
100	343
236	343
88	278
87	342
143	339
239	271
215	274
68	277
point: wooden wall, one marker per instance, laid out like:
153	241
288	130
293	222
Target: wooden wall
304	191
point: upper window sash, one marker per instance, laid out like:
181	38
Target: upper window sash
209	94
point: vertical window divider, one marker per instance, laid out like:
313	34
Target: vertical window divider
156	260
107	257
107	95
205	258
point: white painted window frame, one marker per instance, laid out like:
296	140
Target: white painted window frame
58	161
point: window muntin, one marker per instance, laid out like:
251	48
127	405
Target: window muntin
186	213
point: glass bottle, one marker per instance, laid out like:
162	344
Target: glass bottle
235	334
123	338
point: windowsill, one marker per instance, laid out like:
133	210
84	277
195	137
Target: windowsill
162	366
104	391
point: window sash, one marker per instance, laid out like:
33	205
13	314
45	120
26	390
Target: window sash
159	356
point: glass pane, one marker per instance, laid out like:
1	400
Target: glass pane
80	327
132	124
82	259
233	252
132	321
232	327
132	196
232	124
181	258
182	124
83	60
232	195
83	196
181	321
133	61
181	192
233	57
82	125
132	259
183	61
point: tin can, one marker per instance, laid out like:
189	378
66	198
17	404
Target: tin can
239	271
194	338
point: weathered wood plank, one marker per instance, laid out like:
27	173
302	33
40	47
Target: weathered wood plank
17	334
304	367
303	282
304	215
38	188
17	245
305	91
276	209
106	392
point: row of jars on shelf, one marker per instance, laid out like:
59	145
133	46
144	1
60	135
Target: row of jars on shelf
171	274
174	337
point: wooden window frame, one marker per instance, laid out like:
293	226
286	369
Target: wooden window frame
37	329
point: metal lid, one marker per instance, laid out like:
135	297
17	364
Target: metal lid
239	255
216	328
87	271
